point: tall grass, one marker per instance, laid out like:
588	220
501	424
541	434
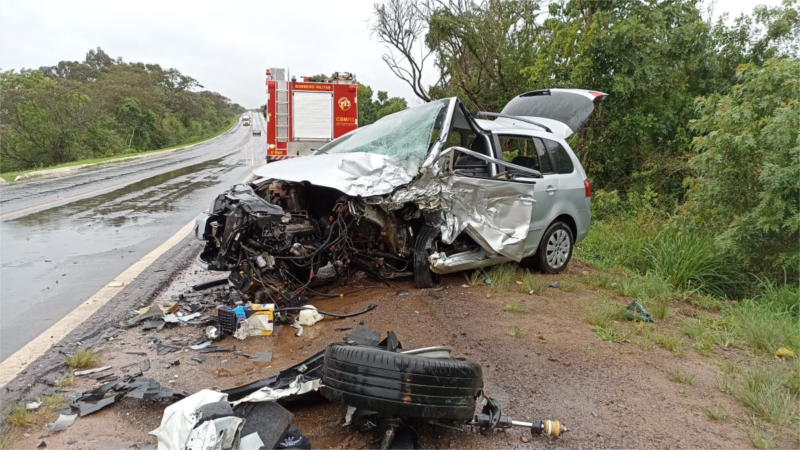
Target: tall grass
764	328
502	277
782	298
691	261
763	391
683	257
619	241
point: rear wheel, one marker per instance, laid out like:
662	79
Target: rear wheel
426	244
555	249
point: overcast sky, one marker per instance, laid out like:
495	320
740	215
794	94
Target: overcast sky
226	46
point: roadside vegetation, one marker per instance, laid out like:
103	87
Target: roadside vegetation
100	108
82	358
693	156
19	419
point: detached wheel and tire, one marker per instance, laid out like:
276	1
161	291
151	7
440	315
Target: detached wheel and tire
403	385
555	249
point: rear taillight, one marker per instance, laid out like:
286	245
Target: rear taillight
587	187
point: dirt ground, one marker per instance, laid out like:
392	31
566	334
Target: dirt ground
610	395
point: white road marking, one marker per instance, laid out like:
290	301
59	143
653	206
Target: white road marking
22	358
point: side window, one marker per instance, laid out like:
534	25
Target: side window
544	157
521	151
560	156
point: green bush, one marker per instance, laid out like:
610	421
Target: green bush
690	260
746	174
606	204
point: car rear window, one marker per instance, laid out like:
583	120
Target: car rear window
560	156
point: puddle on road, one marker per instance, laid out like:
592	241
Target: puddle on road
155	194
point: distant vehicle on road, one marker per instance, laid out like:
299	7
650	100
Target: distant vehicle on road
256	132
246	120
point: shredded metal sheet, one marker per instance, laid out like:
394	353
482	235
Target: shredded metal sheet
496	214
299	386
355	174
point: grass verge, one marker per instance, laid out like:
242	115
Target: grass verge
82	358
20	416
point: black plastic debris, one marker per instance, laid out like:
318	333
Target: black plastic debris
555	284
162	349
157	325
293	439
41	444
88	408
636	311
106	378
147	388
151	313
199	358
126	369
391	342
134	387
362	335
101	391
215	349
110	334
211	411
136	353
209	284
269	419
310	369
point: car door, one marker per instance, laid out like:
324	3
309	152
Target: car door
493	211
544	190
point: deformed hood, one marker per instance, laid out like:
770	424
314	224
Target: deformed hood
571	107
354	174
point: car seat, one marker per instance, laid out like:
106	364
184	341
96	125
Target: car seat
472	166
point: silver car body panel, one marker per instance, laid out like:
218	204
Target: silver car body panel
355	174
473	259
506	217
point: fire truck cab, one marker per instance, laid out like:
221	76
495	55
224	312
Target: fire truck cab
304	115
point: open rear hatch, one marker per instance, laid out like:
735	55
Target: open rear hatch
569	108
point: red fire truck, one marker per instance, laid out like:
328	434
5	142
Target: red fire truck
305	115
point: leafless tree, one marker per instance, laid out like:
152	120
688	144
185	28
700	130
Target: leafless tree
402	25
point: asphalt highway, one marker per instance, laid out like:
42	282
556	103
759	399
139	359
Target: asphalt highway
63	239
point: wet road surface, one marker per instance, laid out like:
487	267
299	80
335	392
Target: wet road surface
63	239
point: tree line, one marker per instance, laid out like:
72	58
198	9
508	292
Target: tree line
702	117
101	107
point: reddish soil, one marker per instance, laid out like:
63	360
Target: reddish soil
610	395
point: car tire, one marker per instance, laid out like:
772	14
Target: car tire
401	385
427	238
555	249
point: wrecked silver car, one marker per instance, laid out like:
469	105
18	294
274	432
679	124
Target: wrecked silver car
426	191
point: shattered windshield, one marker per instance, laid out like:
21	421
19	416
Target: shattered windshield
405	135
